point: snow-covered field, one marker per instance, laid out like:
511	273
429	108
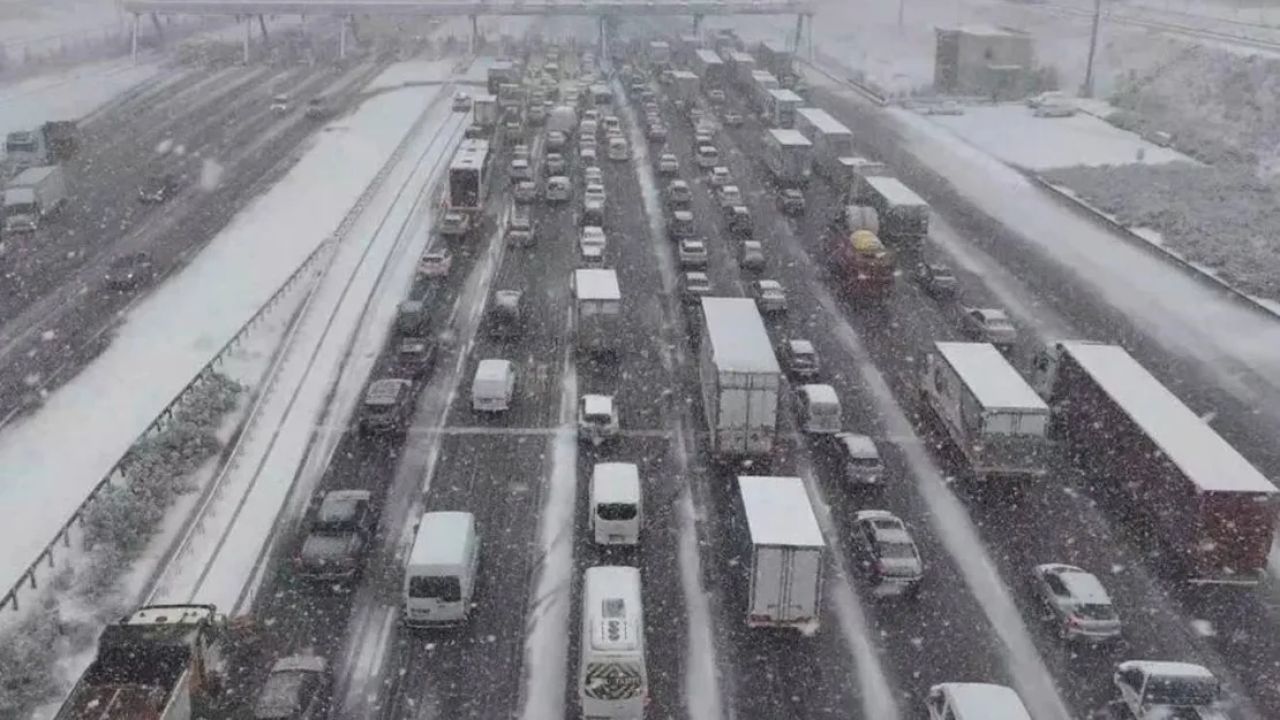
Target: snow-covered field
1014	134
170	335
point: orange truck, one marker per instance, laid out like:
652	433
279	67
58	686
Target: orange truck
860	263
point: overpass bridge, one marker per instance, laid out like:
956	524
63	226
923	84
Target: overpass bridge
347	10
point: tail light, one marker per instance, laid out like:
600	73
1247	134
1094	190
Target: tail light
1073	621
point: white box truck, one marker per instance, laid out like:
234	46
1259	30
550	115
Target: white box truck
33	195
785	556
832	140
686	86
789	157
999	424
740	378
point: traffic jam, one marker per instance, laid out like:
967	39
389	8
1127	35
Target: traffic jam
685	415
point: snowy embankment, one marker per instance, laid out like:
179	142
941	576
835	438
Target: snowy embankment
169	336
69	94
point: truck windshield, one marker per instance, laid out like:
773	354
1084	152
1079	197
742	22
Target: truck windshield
436	587
616	511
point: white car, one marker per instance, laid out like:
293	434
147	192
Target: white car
719	176
1055	109
593	175
708	157
887	553
554	164
770	297
587	153
947	107
593	236
520	169
990	325
597	418
668	164
1077	601
520	151
619	150
593	199
436	263
526	191
693	253
1036	101
730	196
280	104
559	189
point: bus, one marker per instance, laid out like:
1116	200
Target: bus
612	679
469	176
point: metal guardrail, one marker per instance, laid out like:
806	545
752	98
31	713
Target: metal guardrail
119	471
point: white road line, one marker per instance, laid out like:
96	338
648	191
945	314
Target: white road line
950	520
546	662
703	682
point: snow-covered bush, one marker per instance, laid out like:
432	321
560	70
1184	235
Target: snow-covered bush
1224	218
27	653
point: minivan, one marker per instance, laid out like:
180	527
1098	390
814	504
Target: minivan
975	701
616	506
440	579
493	386
819	409
387	405
859	458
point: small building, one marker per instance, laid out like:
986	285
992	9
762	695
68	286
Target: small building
983	60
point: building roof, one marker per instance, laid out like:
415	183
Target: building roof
596	284
983	30
990	377
778	511
1186	439
739	342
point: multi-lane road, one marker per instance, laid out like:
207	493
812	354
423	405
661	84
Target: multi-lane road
524	474
215	130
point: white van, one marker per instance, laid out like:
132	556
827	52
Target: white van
708	157
618	149
975	701
440	578
616	506
819	409
612	679
493	386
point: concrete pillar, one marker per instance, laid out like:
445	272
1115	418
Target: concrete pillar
262	24
133	42
248	33
697	24
342	37
795	47
601	50
474	44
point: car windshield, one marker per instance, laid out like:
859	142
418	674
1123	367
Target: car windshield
224	222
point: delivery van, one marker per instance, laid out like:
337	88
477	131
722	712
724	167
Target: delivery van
819	409
440	578
493	386
616	507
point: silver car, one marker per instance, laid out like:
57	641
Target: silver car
990	325
1077	602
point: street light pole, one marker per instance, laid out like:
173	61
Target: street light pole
1087	90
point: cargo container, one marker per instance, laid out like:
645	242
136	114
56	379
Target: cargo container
788	155
904	216
780	108
994	418
786	549
739	377
1208	504
832	140
710	69
851	180
35	194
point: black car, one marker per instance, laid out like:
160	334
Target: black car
334	549
298	688
129	272
158	188
387	405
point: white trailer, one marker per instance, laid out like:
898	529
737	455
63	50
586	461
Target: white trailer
996	420
484	110
686	86
708	65
762	81
789	156
597	310
780	107
740	378
832	140
35	194
852	173
743	65
786	553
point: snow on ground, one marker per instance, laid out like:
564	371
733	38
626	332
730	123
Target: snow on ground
1183	313
546	652
1014	134
69	94
170	335
314	377
28	21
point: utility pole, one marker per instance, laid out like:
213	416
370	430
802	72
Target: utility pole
902	7
1087	90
